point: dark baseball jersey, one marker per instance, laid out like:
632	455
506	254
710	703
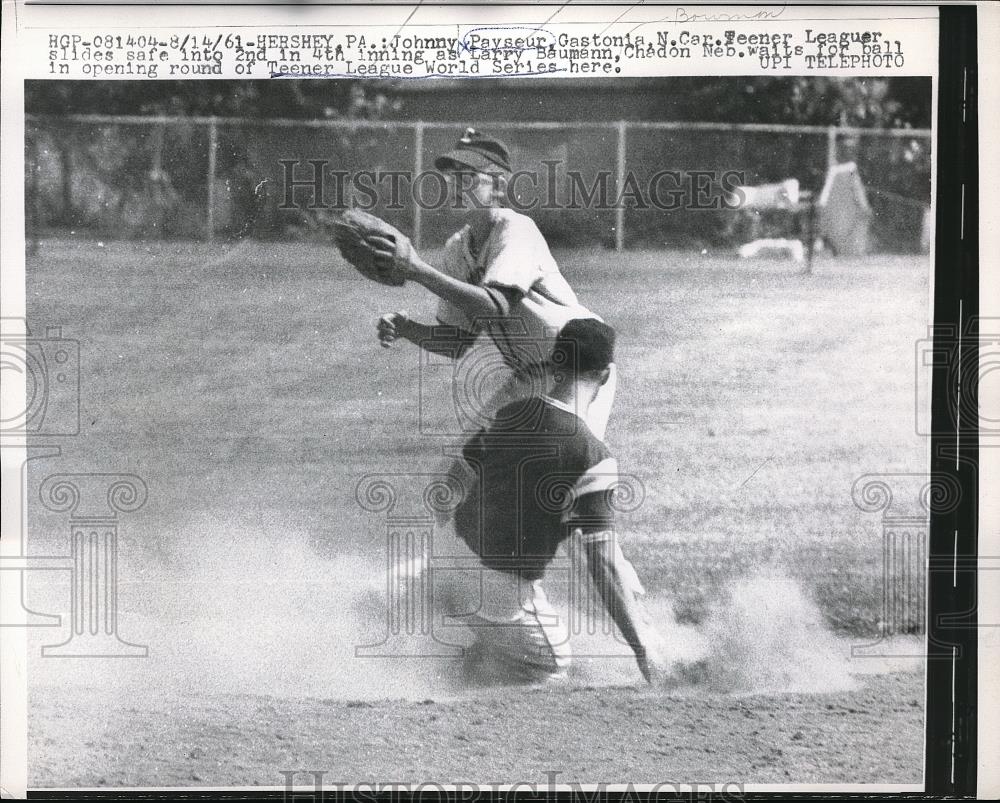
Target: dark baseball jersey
540	474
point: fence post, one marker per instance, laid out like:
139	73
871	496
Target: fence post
831	148
213	141
418	168
810	230
620	186
32	216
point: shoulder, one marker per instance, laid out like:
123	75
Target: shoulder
580	447
598	470
513	222
517	236
586	451
596	453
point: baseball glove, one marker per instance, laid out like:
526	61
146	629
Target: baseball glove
378	251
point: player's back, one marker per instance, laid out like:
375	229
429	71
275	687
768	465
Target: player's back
540	471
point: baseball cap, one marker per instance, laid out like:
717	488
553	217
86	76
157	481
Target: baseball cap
586	344
476	151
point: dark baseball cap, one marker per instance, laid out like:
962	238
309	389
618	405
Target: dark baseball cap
476	151
584	344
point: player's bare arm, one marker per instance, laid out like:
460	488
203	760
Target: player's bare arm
448	341
474	301
605	563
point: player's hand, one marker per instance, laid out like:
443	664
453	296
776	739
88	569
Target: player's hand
390	328
644	667
652	654
653	669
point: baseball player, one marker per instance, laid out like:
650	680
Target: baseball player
497	276
514	523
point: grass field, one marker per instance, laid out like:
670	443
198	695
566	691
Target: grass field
244	384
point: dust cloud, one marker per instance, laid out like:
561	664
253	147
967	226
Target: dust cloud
245	615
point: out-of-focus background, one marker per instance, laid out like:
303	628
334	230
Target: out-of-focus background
170	159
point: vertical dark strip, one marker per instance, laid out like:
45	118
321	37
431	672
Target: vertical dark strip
951	631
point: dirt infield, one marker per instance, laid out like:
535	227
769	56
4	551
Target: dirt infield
585	734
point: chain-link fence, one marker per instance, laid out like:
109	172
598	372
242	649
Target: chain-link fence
617	184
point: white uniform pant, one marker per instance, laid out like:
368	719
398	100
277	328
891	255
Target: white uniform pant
517	636
529	646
